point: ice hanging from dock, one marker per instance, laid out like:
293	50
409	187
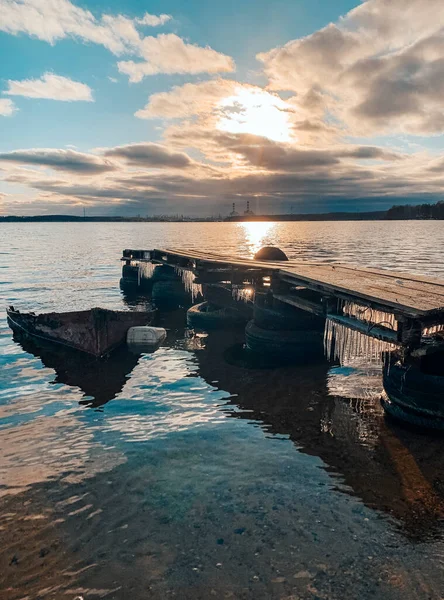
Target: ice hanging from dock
367	314
146	270
346	345
242	294
433	330
188	277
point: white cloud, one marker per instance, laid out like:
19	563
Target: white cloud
153	20
188	99
51	87
58	19
55	20
7	107
379	69
168	53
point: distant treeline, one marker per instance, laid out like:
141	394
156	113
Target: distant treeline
420	211
76	219
403	212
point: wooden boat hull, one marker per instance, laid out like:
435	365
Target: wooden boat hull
97	331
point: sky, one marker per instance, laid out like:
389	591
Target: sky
171	107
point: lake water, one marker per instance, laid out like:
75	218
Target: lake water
191	476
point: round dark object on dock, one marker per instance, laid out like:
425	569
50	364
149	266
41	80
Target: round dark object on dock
287	346
413	396
270	253
281	317
169	295
207	316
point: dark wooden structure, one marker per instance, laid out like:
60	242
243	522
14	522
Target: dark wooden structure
96	331
394	307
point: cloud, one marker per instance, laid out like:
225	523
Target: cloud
168	53
59	159
51	87
7	107
187	100
267	154
138	177
149	155
379	69
60	19
153	20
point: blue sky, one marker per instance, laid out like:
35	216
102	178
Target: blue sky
134	107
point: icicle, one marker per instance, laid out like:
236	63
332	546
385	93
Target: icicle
146	270
242	294
433	330
367	314
346	345
188	277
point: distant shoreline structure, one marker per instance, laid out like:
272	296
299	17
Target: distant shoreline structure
396	213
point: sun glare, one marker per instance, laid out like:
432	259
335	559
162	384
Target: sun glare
257	112
256	235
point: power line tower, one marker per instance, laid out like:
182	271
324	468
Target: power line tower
233	213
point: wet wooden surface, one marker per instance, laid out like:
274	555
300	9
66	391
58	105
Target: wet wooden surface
410	295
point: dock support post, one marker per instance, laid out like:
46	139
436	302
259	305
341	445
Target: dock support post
409	333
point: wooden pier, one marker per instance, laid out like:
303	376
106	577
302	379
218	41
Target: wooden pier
394	307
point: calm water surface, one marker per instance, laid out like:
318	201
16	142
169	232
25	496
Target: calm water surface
185	474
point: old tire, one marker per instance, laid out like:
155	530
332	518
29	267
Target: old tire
394	411
281	317
300	346
414	396
207	316
128	284
130	272
169	295
164	273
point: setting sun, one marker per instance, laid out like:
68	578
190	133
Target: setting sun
257	112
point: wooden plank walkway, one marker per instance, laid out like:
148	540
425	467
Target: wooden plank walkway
411	296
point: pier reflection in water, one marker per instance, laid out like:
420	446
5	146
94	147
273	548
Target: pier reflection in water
335	413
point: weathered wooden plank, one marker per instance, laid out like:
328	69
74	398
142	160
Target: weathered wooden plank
415	304
394	281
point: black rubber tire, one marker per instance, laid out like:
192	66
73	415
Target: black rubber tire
301	346
208	317
281	317
414	395
169	295
221	296
399	414
164	273
130	272
129	284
